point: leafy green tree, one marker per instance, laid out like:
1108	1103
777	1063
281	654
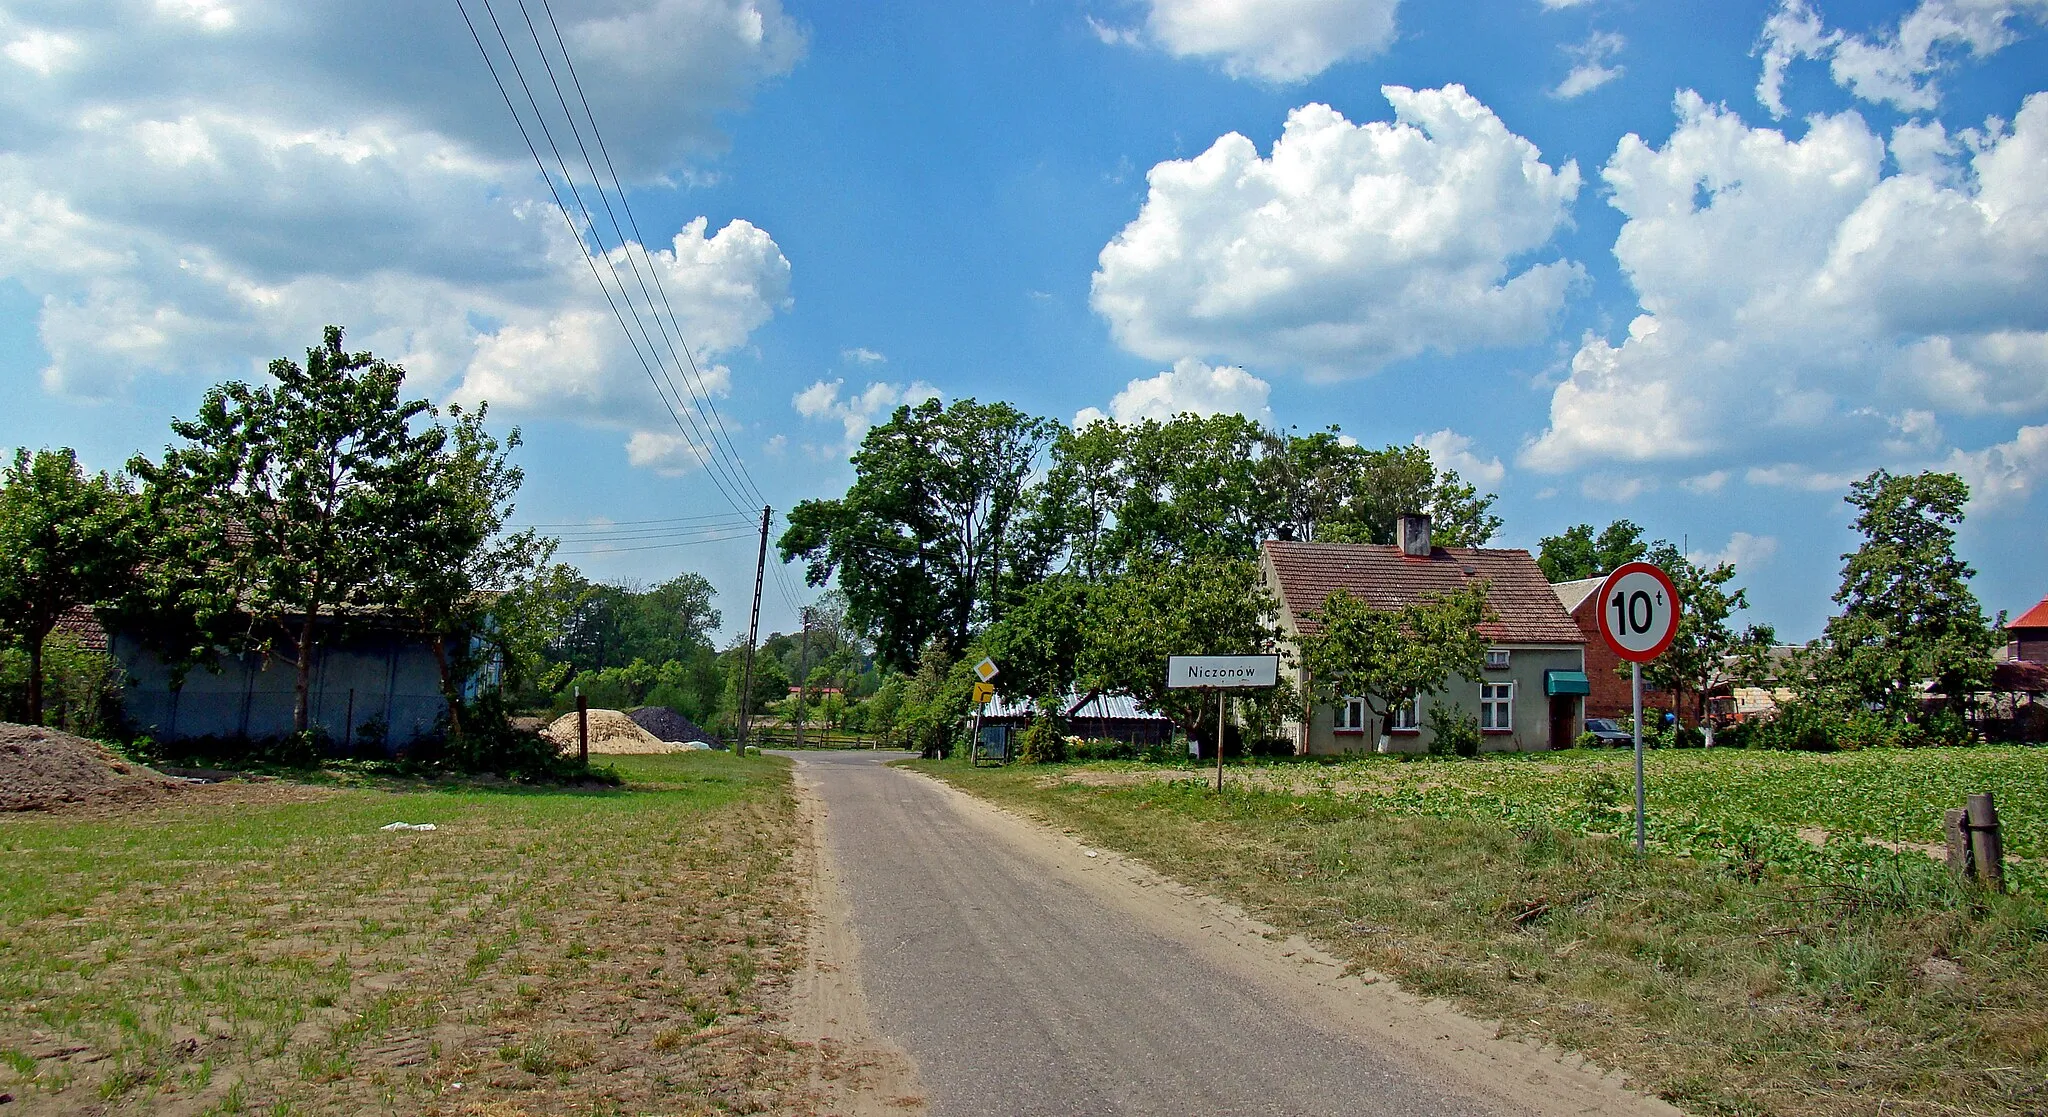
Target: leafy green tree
454	561
1204	606
1386	484
310	488
528	620
1705	639
1579	553
1908	614
1391	657
918	541
1042	639
66	539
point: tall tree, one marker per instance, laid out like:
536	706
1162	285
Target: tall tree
1908	615
455	561
1391	657
305	486
1579	553
1705	641
917	542
1208	605
66	539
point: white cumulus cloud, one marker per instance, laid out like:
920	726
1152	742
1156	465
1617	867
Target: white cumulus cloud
1269	40
824	400
1895	65
171	223
1451	450
1590	70
1797	302
2003	476
1189	387
1745	552
1350	246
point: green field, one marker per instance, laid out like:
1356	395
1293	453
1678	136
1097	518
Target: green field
266	947
1740	969
1858	810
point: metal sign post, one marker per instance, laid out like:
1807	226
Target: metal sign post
1638	619
1221	673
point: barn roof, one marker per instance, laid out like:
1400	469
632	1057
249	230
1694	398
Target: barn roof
1527	609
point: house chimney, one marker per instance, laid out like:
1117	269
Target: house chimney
1413	534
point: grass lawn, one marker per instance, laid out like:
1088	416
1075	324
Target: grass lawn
1740	969
267	948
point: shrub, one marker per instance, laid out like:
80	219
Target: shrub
1799	727
1104	748
1456	732
81	688
1586	740
1041	744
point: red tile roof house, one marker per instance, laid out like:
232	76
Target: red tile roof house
1610	697
2028	634
1529	694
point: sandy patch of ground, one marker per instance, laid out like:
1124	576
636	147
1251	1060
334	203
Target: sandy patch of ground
611	734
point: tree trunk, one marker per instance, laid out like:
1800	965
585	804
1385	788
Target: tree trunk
302	686
35	677
448	685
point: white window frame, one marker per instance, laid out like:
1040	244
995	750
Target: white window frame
1497	705
1405	718
1350	716
1497	659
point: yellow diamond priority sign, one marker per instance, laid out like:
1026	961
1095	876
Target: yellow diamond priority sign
985	670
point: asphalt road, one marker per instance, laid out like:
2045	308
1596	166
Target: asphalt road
1016	990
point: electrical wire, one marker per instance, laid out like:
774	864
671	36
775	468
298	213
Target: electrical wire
576	231
727	459
596	525
704	400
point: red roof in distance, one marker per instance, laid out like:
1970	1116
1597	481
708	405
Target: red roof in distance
1526	610
2036	617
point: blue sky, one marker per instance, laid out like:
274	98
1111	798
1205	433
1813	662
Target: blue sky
1695	265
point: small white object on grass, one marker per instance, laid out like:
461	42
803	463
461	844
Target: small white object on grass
408	826
1089	852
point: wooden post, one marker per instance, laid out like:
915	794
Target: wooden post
348	732
582	727
1987	846
1220	700
1955	827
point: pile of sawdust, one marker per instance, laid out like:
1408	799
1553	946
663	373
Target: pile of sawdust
611	733
42	769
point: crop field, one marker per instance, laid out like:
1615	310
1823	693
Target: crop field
268	947
1768	957
1826	816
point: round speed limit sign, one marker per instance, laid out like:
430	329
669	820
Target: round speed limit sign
1638	612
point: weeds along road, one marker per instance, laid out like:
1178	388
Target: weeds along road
1024	977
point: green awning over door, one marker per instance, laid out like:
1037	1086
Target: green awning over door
1566	682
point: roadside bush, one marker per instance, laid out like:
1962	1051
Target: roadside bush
1456	732
1586	741
1041	744
1798	727
1104	748
488	744
81	688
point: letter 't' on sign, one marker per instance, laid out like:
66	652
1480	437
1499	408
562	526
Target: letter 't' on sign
1638	612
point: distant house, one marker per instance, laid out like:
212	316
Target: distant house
1528	696
2027	635
1611	696
374	686
1113	717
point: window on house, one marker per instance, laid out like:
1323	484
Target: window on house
1405	718
1497	658
1497	706
1351	716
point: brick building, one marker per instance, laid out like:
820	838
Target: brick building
1606	672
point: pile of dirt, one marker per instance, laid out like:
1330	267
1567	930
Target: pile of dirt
671	726
42	769
611	733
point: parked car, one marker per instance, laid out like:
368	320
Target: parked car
1609	731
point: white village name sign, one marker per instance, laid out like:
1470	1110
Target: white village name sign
1217	672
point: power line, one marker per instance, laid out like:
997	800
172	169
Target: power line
655	546
595	525
704	400
729	462
575	231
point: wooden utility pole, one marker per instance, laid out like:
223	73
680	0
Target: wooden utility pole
753	631
803	678
582	727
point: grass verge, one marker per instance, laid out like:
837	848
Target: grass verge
267	947
1721	986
